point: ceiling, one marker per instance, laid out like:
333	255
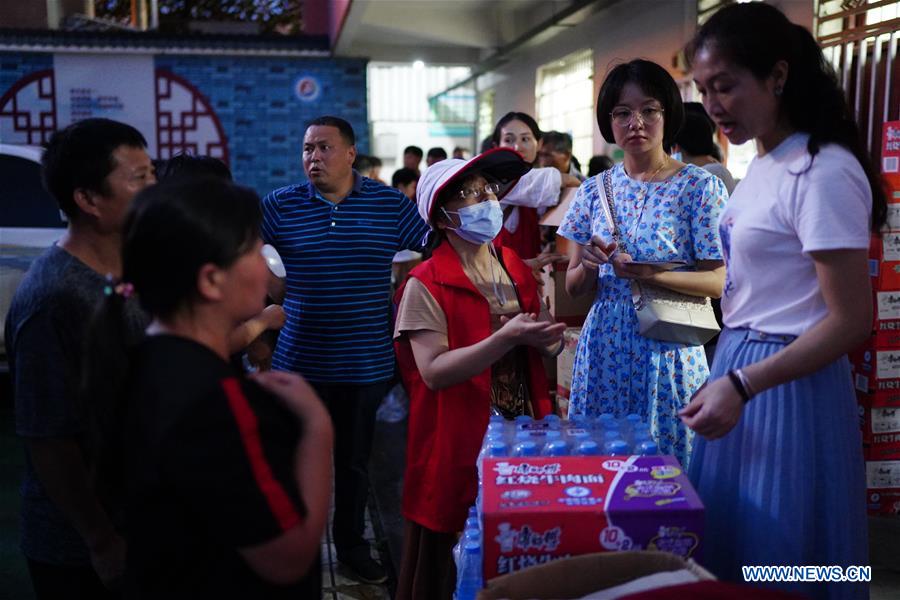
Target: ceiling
453	31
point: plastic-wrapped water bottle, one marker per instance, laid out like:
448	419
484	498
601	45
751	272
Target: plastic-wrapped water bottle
468	580
552	421
526	448
616	447
556	448
587	448
521	419
647	448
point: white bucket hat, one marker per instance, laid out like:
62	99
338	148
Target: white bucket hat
504	165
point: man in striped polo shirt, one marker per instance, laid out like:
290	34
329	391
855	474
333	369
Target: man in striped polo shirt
337	235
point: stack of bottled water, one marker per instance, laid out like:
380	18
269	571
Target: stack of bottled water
467	554
551	436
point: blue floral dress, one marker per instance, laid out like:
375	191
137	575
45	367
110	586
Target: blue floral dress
617	370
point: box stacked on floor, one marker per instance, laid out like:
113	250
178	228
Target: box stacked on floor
552	488
876	366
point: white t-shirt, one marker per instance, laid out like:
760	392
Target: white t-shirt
779	213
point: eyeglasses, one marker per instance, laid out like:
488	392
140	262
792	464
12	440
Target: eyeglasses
490	188
650	115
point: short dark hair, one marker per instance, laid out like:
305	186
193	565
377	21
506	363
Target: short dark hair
557	141
516	116
598	164
404	176
363	163
696	135
81	157
437	152
343	126
187	165
414	150
656	82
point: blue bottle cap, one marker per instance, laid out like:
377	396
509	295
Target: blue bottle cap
526	449
497	419
611	424
497	449
523	419
633	418
606	417
473	511
472	547
641	436
615	447
552	419
610	435
588	448
556	448
648	448
472	523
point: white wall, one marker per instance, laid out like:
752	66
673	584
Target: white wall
652	29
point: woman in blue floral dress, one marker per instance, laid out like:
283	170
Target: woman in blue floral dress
665	211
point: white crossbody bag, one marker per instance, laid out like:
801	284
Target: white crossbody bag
664	314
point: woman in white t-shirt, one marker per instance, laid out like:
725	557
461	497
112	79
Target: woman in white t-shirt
780	468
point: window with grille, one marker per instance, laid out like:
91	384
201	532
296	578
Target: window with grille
565	100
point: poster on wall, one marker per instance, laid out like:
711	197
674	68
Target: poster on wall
120	87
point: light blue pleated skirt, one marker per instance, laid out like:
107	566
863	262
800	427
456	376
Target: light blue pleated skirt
787	485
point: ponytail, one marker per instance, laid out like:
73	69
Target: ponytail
755	36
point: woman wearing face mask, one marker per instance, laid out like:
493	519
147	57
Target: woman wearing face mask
536	191
664	210
780	466
469	331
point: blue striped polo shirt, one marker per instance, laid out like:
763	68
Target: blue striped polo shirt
338	262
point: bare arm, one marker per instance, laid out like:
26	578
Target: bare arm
272	317
581	275
846	288
706	281
61	469
441	367
288	557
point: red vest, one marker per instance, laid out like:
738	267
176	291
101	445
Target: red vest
526	241
446	426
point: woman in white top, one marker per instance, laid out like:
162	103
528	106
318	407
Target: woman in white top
780	468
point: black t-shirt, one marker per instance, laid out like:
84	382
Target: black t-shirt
209	462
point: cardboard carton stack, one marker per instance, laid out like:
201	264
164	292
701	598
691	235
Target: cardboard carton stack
563	307
876	366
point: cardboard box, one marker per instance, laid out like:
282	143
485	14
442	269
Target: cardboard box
565	364
883	502
883	424
883	474
578	576
876	375
535	510
885	273
562	306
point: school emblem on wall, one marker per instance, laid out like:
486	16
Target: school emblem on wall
174	116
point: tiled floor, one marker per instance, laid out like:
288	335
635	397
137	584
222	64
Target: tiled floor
337	584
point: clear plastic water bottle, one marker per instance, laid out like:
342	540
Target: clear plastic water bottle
468	580
587	448
393	406
616	447
526	448
647	448
556	448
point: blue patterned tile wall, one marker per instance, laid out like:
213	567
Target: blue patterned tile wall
15	66
261	113
256	101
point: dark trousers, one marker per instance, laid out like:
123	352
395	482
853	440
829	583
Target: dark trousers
352	409
58	582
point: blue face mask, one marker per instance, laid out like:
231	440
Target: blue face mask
478	223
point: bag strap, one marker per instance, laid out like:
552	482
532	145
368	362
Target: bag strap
610	208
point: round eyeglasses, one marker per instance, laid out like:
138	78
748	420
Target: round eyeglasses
623	117
474	192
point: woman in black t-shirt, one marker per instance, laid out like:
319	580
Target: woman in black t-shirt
224	481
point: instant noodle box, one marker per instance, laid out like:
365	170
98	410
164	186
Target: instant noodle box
535	510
